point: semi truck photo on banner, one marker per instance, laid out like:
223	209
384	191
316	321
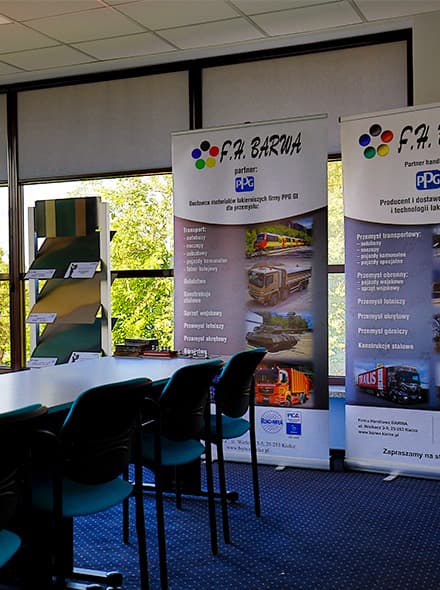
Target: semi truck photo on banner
391	166
251	270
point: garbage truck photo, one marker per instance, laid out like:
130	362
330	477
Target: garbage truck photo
278	386
398	383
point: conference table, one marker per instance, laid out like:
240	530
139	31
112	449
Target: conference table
58	386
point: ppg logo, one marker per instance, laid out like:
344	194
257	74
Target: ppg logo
244	184
428	180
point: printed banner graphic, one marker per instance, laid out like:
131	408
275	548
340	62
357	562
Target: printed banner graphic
391	164
250	270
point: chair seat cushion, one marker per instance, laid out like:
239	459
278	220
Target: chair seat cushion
231	427
80	499
174	452
9	545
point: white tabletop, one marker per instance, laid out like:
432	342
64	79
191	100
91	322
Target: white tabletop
59	385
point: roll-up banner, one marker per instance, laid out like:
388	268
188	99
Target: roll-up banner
391	166
250	205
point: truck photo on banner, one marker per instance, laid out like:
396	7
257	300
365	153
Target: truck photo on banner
391	166
250	206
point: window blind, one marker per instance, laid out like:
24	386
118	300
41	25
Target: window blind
102	127
339	82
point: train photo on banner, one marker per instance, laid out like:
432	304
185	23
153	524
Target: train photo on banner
269	241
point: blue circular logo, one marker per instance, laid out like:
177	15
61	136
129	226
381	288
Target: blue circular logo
271	421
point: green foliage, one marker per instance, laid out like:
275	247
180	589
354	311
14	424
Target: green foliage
335	214
251	235
143	308
336	318
5	345
141	217
336	323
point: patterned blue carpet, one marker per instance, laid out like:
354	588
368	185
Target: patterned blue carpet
319	531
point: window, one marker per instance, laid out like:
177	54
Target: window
336	282
5	342
141	250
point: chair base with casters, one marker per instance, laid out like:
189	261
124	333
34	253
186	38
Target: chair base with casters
95	580
78	500
41	574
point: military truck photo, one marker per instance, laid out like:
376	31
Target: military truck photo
269	284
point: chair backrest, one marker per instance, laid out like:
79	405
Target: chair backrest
235	382
184	399
97	434
15	430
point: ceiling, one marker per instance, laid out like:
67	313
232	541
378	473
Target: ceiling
42	39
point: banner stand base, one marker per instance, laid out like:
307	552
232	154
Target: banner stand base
421	471
391	477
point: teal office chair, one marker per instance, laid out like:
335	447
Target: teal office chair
15	430
173	440
234	393
99	438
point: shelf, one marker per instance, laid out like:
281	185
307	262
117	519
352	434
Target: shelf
59	253
57	341
67	293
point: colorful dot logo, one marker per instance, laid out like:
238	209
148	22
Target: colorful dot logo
205	155
376	142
